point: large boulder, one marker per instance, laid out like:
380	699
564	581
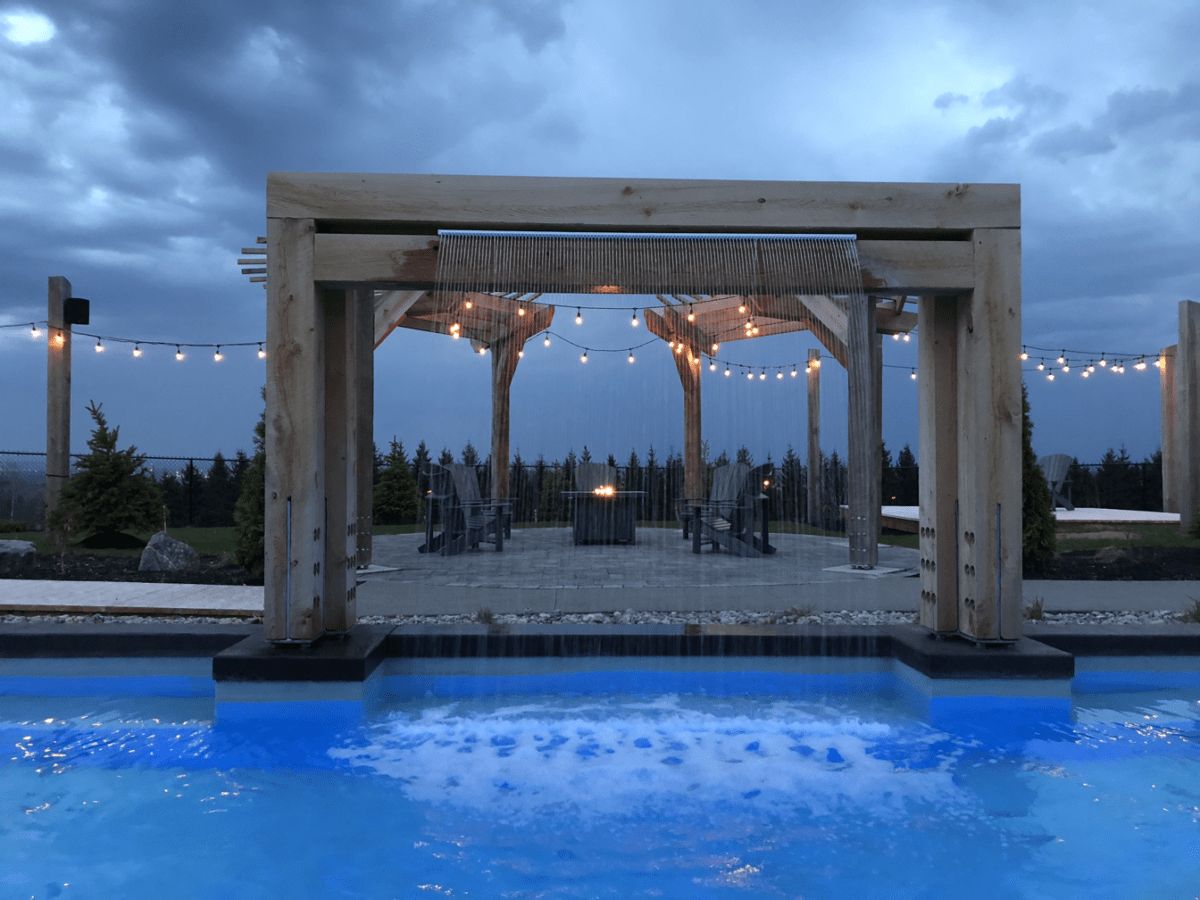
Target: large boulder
16	558
165	554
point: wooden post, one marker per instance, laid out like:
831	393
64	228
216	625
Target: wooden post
814	439
1187	411
863	524
365	348
505	356
877	434
58	392
937	405
687	363
342	311
989	442
294	536
1170	421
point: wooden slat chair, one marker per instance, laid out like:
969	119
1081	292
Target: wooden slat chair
727	517
467	519
1055	467
590	475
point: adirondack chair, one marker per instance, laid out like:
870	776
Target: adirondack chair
1055	468
467	519
727	517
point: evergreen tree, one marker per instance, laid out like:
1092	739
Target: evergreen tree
216	510
633	472
722	460
112	490
908	478
420	467
889	486
241	462
395	501
744	455
470	456
587	455
249	513
1038	533
792	485
445	458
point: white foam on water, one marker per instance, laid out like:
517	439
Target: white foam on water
599	759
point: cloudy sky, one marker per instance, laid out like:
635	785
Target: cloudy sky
137	135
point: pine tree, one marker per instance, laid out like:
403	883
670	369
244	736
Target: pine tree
1038	534
249	513
219	497
470	456
395	501
112	490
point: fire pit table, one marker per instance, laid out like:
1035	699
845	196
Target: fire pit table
605	516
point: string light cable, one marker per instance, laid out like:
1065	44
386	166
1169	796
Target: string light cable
138	343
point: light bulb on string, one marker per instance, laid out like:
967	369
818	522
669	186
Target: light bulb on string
741	309
1024	355
749	375
913	375
907	337
467	304
59	338
178	353
33	330
546	342
691	314
716	347
521	354
727	372
1062	357
262	354
763	376
895	336
583	358
1050	377
779	375
218	356
1066	368
793	371
816	363
99	346
137	351
634	321
483	351
1090	369
631	356
1103	361
579	316
1041	365
679	347
1140	364
520	310
1085	373
712	365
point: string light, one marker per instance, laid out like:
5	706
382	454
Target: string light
584	357
895	335
1041	365
1066	368
716	347
907	337
712	365
631	356
913	375
520	354
691	314
547	340
741	309
1140	364
467	305
727	373
1085	373
99	346
793	371
1103	361
520	310
1024	355
1050	377
749	375
1062	357
33	330
483	351
218	356
262	354
763	376
579	315
779	375
137	351
634	321
178	353
60	339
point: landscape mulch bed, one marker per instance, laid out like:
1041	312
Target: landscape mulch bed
1124	564
115	567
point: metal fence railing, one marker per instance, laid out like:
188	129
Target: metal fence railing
196	490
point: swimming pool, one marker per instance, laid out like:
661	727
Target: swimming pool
629	783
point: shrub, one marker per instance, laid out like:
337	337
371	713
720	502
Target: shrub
12	526
111	491
1194	528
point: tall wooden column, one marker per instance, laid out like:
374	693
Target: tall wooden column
295	476
1170	421
342	313
937	405
58	392
989	441
505	356
687	363
863	524
365	350
1187	406
814	438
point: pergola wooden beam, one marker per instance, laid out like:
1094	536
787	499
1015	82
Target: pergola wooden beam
355	200
409	262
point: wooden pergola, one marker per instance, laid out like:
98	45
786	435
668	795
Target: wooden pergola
335	240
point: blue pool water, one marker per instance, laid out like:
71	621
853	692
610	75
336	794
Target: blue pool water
598	786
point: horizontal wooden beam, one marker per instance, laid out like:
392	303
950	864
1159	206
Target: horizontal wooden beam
638	205
409	262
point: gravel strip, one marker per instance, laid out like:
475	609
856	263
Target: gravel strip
791	616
